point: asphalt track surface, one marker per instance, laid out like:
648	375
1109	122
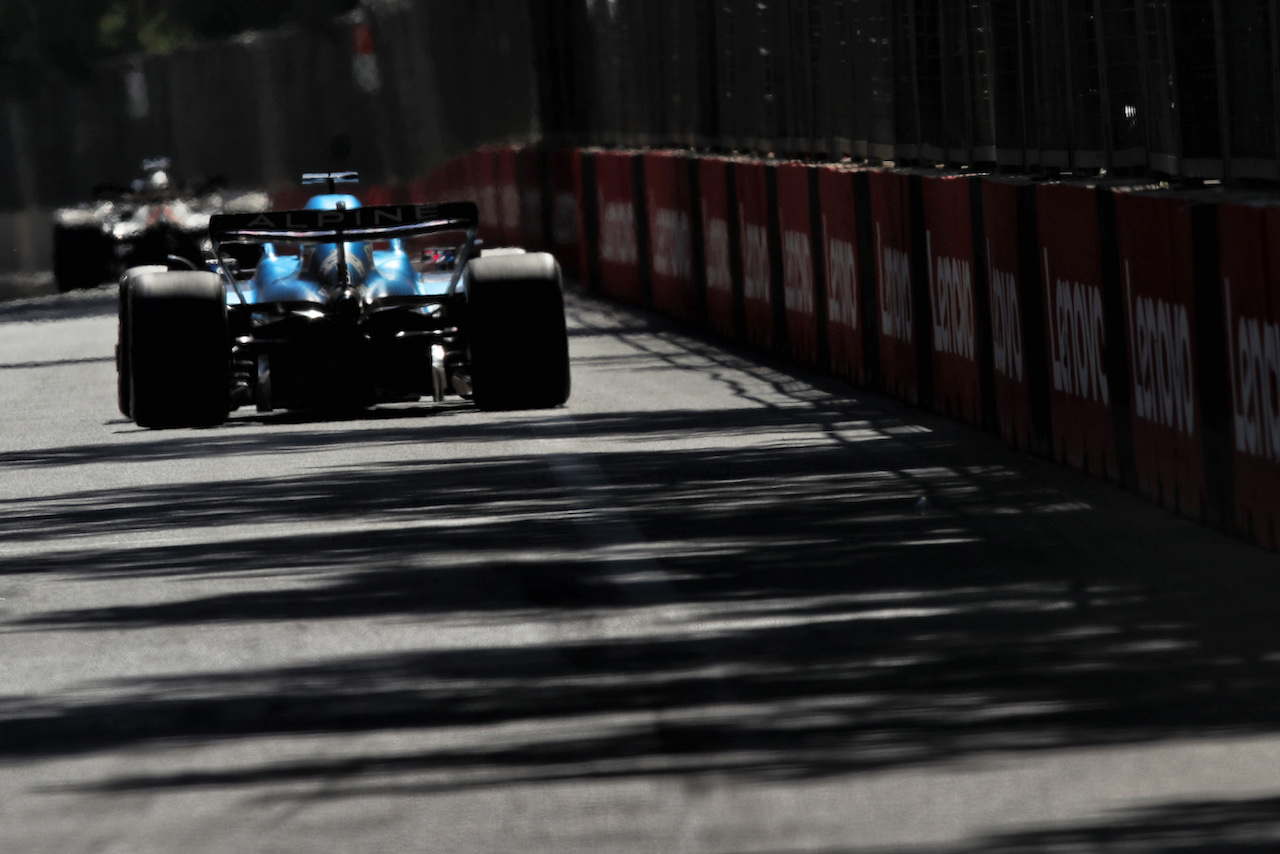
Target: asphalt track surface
701	609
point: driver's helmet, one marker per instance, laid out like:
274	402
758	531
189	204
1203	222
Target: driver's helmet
158	182
320	262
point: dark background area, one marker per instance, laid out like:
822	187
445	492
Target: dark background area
69	38
260	91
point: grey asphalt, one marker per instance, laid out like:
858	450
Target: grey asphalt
703	608
24	285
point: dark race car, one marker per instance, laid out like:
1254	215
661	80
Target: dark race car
151	223
335	316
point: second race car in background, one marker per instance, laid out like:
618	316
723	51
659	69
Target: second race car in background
150	223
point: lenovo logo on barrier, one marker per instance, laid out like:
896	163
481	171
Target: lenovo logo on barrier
1006	321
1253	346
755	261
719	277
842	282
618	233
1077	338
672	245
896	316
951	297
797	259
1163	368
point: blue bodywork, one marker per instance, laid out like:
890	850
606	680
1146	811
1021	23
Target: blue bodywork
313	275
307	333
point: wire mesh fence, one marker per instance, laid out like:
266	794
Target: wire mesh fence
1148	86
1144	86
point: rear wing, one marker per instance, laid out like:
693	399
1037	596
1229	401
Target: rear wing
342	226
382	222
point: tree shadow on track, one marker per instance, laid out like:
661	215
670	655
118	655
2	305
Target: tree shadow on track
1244	826
815	626
811	621
74	305
405	424
56	363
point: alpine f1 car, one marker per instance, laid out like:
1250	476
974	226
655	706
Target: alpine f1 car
148	224
337	316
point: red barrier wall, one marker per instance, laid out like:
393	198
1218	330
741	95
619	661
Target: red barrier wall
420	190
753	236
381	194
462	180
468	183
507	197
615	207
670	208
840	247
796	240
448	179
1012	390
1268	476
1253	346
713	186
1153	305
1154	234
1075	327
891	232
565	168
953	309
532	205
484	191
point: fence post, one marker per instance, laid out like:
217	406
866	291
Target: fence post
1274	28
1020	12
1224	105
1143	54
913	36
1069	88
1104	91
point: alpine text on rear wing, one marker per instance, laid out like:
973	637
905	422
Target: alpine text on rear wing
348	225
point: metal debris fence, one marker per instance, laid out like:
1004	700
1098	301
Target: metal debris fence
1142	86
1145	86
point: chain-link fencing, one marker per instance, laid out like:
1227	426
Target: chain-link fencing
1186	90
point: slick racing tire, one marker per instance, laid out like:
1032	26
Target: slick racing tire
519	345
123	386
179	350
82	258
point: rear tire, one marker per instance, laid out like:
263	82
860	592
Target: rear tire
82	257
519	344
123	385
179	351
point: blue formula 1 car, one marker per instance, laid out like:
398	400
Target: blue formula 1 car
336	315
